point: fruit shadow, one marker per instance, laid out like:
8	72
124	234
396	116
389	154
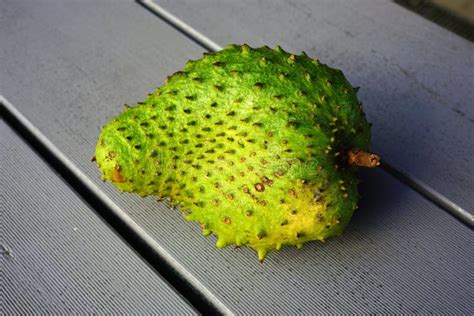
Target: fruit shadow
383	197
401	123
380	196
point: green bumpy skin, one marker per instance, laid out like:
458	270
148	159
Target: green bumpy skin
249	142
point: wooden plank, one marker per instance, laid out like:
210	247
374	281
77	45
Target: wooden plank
400	254
416	78
58	256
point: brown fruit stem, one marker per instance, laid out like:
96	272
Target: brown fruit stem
359	158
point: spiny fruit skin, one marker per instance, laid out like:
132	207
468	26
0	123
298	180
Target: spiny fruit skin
249	142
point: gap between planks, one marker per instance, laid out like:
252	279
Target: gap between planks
182	281
417	185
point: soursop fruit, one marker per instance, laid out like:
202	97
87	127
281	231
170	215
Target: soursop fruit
256	144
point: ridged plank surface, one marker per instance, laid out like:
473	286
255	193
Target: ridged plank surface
415	77
58	256
400	253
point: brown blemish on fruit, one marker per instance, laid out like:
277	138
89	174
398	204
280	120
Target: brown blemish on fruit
117	175
266	181
259	187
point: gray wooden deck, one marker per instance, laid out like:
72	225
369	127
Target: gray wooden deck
67	67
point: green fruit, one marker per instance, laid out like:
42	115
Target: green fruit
250	143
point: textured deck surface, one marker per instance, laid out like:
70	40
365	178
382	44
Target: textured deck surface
58	256
69	68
